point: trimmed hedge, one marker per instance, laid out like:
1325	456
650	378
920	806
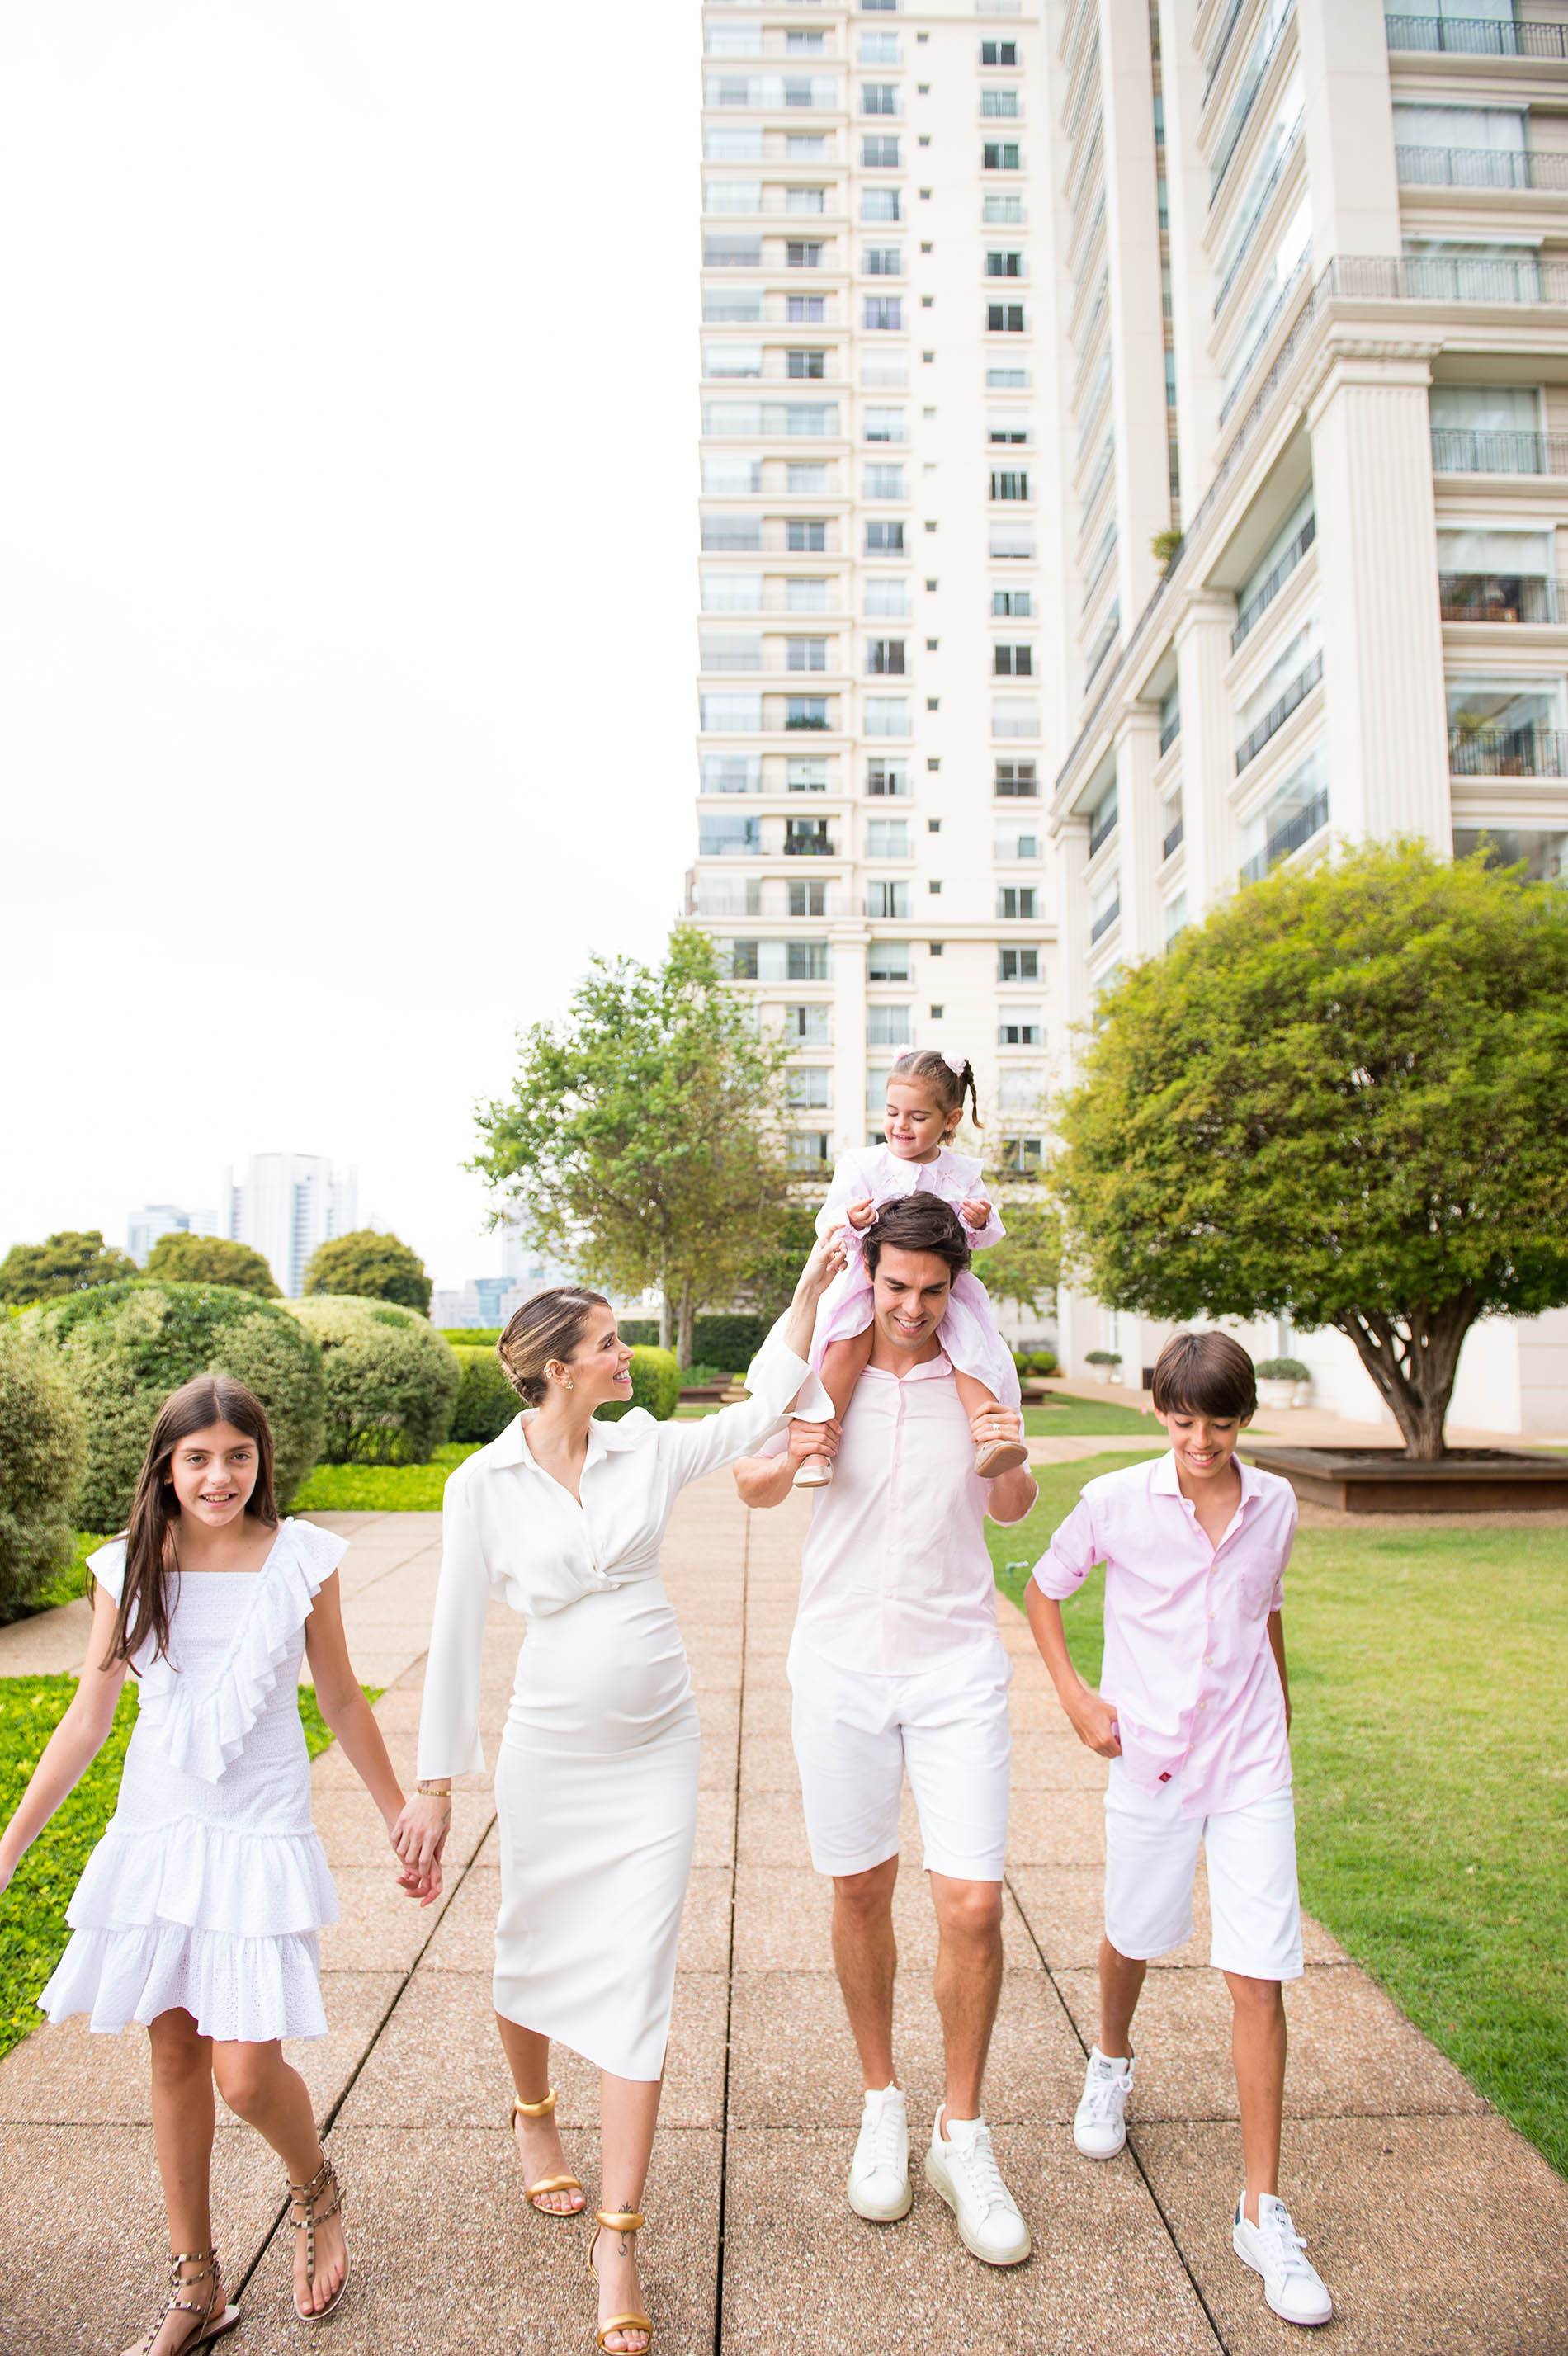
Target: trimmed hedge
392	1381
730	1341
42	1451
1034	1362
470	1338
123	1347
486	1400
655	1385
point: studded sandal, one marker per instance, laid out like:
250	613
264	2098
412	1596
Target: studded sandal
304	2197
215	2318
618	2220
530	2192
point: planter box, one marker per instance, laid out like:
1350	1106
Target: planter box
1275	1393
1385	1480
1101	1373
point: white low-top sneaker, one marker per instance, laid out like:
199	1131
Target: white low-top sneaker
963	2168
1098	2124
1273	2249
879	2174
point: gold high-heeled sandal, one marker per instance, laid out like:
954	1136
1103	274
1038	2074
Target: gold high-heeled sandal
618	2220
213	2327
520	2109
307	2196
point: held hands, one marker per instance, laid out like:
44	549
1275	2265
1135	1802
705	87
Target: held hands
419	1836
860	1214
976	1212
1094	1720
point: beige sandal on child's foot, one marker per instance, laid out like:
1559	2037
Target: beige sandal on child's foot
814	1472
214	2322
530	2192
305	2197
994	1457
618	2220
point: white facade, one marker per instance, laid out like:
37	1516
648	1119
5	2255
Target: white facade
1308	271
144	1228
878	377
288	1204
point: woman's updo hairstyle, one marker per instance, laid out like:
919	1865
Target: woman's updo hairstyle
549	1326
950	1079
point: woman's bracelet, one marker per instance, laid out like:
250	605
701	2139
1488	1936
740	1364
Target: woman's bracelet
428	1791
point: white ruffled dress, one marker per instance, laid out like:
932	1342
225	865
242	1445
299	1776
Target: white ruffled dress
210	1884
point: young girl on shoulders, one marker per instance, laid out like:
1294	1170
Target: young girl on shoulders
198	1910
926	1093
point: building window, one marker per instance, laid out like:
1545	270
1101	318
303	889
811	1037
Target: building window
883	312
883	262
1020	1156
880	205
807	1088
809	1026
1017	965
879	98
804	364
888	837
802	254
1017	900
1102	818
885	425
805	201
887	899
885	778
1004	318
879	48
887	596
721	838
802	596
809	899
1009	484
805	45
1014	715
884	483
1023	1028
887	961
806	654
806	477
1000	105
805	711
805	536
1018	603
732	773
807	310
880	151
886	715
883	656
1017	842
888	1026
999	53
809	1148
1017	780
999	156
884	540
1004	266
1003	208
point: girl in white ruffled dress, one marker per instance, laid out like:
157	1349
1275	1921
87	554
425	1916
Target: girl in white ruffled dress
925	1092
199	1910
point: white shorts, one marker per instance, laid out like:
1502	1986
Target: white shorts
854	1735
1150	1858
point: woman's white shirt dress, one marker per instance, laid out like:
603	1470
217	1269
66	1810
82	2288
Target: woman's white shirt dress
597	1779
209	1884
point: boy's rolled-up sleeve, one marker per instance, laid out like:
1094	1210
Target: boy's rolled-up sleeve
1070	1556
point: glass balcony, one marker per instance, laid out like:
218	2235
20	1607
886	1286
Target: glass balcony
1479	168
1476	37
1269	589
1500	597
1172	840
1274	718
1456	451
1106	918
1297	830
1526	752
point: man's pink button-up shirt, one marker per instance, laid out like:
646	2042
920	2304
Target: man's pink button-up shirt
1188	1666
895	1574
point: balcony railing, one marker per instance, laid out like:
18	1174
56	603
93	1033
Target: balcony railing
1527	752
1456	451
1172	842
1446	278
1274	718
1106	918
1258	605
1307	822
1476	37
1500	597
1479	168
808	846
1102	831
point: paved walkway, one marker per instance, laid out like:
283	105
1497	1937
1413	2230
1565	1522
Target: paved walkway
1440	2231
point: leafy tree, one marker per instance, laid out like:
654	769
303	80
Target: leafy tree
1026	1266
768	1282
642	1136
369	1267
212	1260
71	1261
1342	1097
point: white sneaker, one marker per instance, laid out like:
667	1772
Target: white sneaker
879	2174
1273	2249
963	2168
1098	2127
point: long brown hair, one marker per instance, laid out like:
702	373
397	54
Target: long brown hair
934	1071
151	1554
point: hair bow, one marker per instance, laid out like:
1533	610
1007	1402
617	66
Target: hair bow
957	1064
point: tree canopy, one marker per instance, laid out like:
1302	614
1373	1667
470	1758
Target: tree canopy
1341	1098
1026	1266
641	1140
212	1260
370	1266
71	1261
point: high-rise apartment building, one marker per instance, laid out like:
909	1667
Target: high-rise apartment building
871	851
1135	453
1310	265
288	1203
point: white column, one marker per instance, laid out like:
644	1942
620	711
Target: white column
1072	927
1138	823
1350	128
1382	635
1137	335
1209	751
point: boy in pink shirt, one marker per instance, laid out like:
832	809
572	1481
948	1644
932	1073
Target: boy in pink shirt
1194	1716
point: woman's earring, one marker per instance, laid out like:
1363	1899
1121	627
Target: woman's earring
569	1385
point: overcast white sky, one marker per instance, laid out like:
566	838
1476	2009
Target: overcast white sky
347	477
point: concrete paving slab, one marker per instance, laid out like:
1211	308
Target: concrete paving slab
1060	1827
1352	2054
1043	1761
353	1833
1105	2277
379	1927
1437	2237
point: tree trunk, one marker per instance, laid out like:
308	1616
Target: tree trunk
1412	1363
687	1319
666	1320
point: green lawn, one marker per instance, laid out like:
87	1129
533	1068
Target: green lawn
1429	1671
32	1912
380	1488
1062	1418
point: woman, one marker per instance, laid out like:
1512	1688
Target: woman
597	1779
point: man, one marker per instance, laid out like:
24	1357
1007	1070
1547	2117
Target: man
896	1663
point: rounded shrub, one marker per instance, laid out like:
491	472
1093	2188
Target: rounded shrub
1042	1362
655	1385
123	1347
1283	1370
41	1454
486	1400
392	1381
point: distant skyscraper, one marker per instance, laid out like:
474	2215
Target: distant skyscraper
144	1228
289	1204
